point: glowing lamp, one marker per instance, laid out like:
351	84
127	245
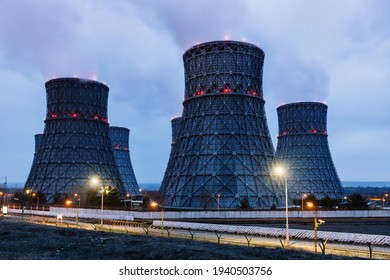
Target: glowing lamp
153	204
309	204
279	171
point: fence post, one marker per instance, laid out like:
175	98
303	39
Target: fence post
218	236
146	230
281	242
248	239
192	234
322	245
370	247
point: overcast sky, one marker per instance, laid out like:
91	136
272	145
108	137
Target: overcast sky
331	51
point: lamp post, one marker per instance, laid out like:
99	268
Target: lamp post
36	194
219	196
4	189
101	212
28	192
131	201
281	172
162	219
154	206
303	196
317	223
95	181
77	208
383	200
33	194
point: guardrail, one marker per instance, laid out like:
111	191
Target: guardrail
355	238
178	215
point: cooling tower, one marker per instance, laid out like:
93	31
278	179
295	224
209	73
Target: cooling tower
38	141
303	148
175	123
76	142
223	152
120	146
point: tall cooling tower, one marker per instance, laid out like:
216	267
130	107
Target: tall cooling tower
175	123
76	142
303	148
120	146
38	141
223	152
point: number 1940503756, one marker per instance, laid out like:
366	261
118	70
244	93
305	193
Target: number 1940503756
242	270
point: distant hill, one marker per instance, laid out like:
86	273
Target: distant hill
13	185
357	184
149	186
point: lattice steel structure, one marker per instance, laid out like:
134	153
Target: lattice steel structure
303	148
38	141
76	142
120	146
175	124
223	152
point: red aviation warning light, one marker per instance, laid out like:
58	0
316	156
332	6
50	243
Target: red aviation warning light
199	93
226	90
252	92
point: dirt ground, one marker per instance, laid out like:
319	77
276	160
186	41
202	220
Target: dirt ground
26	241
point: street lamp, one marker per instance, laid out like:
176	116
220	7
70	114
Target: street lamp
95	181
219	196
153	204
77	208
303	196
317	223
29	191
383	200
36	194
68	202
281	172
131	201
